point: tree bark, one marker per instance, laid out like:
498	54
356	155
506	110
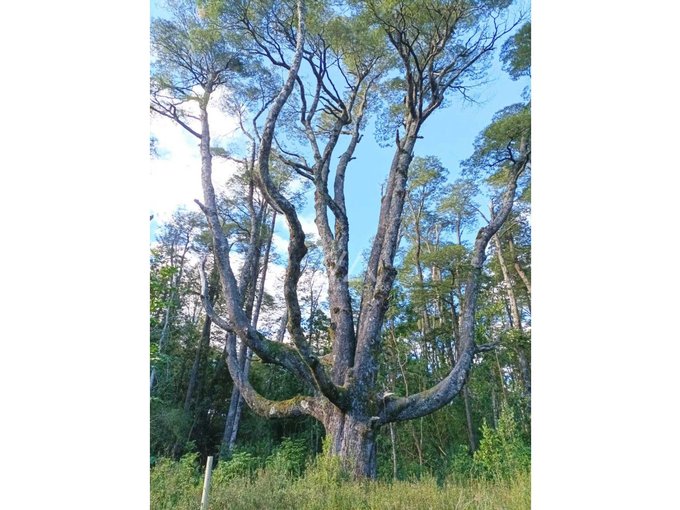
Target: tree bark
393	441
434	398
353	440
472	439
203	345
522	274
494	403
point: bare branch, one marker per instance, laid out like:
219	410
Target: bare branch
171	113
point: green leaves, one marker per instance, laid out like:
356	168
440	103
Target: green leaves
427	174
459	205
501	143
502	453
191	50
210	9
516	53
159	288
354	38
509	124
241	464
290	457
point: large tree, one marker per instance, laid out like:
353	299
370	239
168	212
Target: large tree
416	54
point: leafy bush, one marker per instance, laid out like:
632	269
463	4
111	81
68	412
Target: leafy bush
501	453
289	458
501	465
326	470
241	464
460	463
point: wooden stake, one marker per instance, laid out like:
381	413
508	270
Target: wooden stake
206	483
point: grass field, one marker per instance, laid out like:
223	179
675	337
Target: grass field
177	485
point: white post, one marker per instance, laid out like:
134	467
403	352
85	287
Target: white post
206	483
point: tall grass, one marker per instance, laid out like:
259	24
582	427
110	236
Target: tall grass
176	485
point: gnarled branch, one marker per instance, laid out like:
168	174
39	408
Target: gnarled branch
296	406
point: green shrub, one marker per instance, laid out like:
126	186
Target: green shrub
289	458
325	471
460	463
501	453
241	464
240	483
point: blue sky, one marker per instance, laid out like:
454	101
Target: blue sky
448	134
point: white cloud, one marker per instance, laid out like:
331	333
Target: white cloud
281	236
280	244
309	227
175	178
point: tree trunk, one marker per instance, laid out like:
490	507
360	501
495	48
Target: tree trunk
239	404
393	440
353	440
525	370
494	403
203	345
472	439
229	425
519	270
165	333
204	342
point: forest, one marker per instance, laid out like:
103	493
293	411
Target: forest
321	366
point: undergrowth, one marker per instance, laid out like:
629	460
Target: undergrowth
177	485
496	477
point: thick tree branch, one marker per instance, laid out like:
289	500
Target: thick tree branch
296	406
380	273
428	401
269	351
486	347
